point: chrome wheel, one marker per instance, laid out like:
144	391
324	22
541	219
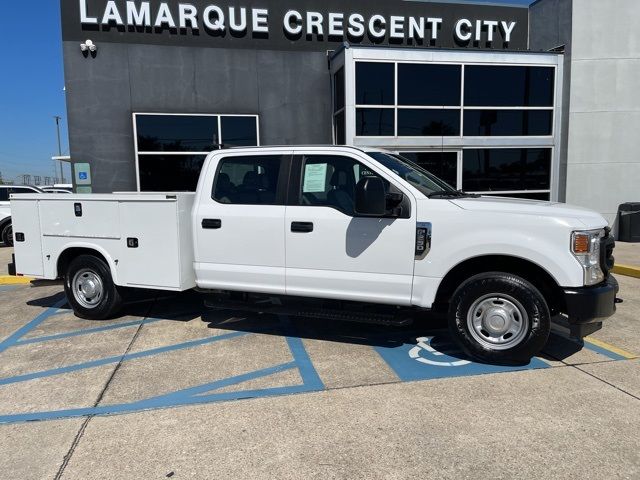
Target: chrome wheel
497	321
88	289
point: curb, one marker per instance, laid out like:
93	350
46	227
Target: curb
628	270
13	280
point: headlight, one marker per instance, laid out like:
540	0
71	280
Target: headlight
585	246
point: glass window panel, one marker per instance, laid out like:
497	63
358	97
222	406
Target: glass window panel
506	169
338	101
340	129
508	86
4	194
330	181
166	173
374	122
508	122
422	84
529	196
374	83
443	165
176	133
426	122
239	131
248	180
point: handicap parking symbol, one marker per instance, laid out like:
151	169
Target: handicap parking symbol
437	356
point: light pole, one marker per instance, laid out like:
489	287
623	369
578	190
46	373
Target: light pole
59	147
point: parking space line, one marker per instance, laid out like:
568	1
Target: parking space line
22	331
117	358
199	394
86	331
607	350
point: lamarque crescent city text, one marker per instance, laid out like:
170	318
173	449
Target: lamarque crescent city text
294	23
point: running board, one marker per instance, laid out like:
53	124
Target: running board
299	308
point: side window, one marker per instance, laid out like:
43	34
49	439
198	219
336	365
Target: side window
330	181
248	180
22	190
4	194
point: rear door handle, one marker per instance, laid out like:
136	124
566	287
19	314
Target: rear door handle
211	223
302	227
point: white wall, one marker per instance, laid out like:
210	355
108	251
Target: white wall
603	161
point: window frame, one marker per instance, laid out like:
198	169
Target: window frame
281	187
350	56
138	152
294	195
462	107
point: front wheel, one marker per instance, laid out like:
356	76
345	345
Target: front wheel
499	318
90	289
6	235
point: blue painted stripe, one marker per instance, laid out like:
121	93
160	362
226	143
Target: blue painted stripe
309	375
200	391
603	351
138	406
117	358
86	331
12	339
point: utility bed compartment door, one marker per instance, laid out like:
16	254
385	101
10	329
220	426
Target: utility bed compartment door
80	219
153	251
26	222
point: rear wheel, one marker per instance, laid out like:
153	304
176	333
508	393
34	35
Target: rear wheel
90	289
499	318
6	235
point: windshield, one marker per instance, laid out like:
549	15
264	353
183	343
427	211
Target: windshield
426	182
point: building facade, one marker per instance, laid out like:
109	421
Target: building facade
480	94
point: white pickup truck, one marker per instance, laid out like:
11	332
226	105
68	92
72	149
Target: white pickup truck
335	232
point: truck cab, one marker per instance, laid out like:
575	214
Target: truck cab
360	227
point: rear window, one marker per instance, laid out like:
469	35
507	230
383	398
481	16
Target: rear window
248	180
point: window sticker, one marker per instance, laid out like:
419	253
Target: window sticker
315	177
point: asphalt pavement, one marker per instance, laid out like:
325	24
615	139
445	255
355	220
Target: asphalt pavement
174	390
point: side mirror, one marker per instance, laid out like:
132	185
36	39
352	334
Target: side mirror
370	197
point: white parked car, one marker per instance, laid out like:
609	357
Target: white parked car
6	236
334	232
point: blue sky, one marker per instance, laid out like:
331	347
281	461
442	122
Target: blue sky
31	87
32	83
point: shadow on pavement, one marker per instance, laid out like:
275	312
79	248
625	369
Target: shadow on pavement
189	305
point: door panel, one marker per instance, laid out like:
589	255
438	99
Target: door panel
344	256
240	235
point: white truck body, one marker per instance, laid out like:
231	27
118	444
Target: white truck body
343	224
161	223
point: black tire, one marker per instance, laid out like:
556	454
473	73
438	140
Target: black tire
91	270
6	235
483	303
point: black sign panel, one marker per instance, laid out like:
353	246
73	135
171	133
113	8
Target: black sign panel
296	24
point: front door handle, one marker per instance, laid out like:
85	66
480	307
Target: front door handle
302	227
211	223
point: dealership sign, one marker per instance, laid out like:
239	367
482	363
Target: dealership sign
294	23
302	23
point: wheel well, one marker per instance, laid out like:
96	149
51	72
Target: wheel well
69	254
4	222
531	272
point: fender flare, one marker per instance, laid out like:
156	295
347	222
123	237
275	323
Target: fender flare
89	246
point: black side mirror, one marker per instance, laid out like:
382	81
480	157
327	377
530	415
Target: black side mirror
370	197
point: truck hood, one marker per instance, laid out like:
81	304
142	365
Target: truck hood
589	218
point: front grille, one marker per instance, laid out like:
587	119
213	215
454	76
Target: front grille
607	244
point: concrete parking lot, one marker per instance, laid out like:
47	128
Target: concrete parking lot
174	390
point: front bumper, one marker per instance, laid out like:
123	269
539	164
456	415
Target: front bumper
586	307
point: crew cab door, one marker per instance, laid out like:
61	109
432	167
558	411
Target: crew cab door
333	253
239	222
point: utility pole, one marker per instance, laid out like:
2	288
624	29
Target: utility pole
59	147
